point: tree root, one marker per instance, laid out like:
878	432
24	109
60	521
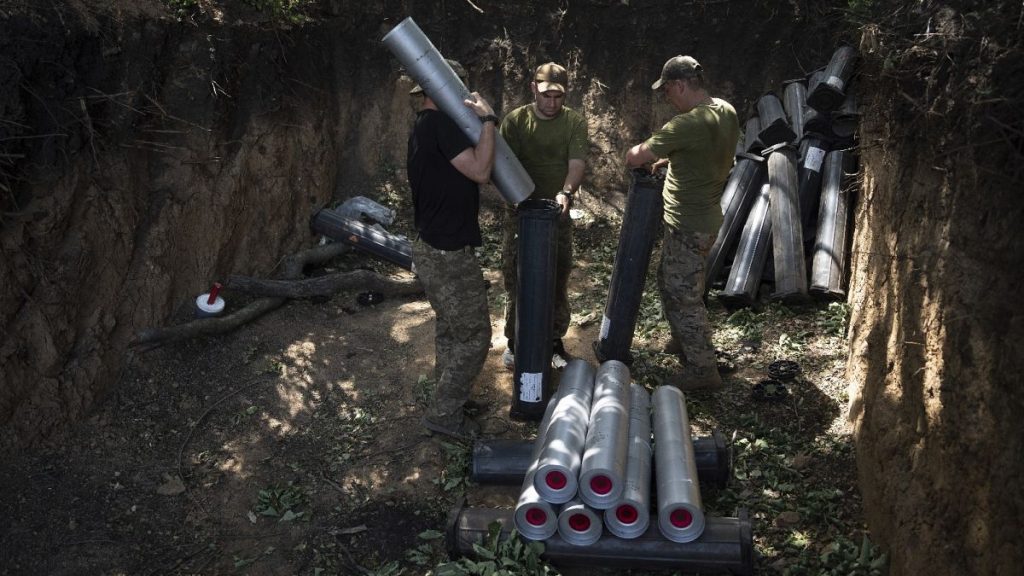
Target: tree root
277	292
324	285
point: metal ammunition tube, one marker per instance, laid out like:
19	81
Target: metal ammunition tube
816	122
787	229
812	156
579	524
830	92
603	473
845	119
751	253
680	517
741	189
631	516
535	309
534	518
363	236
428	68
794	101
640	227
560	458
775	128
828	265
751	129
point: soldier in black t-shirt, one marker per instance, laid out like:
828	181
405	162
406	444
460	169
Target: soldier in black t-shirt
445	172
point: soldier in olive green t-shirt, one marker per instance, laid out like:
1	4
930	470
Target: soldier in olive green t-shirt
550	140
698	144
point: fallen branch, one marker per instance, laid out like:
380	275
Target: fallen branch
290	270
208	326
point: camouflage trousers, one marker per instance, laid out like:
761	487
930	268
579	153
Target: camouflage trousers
681	283
563	266
455	287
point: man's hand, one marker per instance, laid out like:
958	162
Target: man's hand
565	201
479	105
661	162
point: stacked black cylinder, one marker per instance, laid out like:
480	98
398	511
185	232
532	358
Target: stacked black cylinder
788	225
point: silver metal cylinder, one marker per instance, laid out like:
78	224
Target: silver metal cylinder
680	518
828	265
579	524
562	454
428	68
794	101
534	517
603	472
631	516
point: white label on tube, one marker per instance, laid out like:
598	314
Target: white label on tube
530	386
606	325
836	82
814	158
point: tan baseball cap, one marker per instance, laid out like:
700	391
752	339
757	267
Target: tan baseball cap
551	76
456	67
677	68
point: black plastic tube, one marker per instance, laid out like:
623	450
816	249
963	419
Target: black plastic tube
725	546
816	122
828	264
640	226
775	129
351	231
845	119
535	307
828	94
750	132
813	149
740	191
787	230
752	252
505	461
794	101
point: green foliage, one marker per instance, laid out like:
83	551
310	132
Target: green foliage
428	552
834	319
282	502
454	479
843	557
353	432
500	557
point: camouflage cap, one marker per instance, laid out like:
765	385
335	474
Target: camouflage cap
551	76
677	68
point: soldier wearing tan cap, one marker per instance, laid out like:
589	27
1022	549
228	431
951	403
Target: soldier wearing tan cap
551	141
698	145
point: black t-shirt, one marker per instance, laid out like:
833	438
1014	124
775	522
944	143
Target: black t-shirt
446	203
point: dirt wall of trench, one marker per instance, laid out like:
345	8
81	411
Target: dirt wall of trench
936	294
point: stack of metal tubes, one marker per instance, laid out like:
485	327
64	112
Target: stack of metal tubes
591	481
787	202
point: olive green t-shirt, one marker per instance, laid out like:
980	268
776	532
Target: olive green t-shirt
700	146
545	146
